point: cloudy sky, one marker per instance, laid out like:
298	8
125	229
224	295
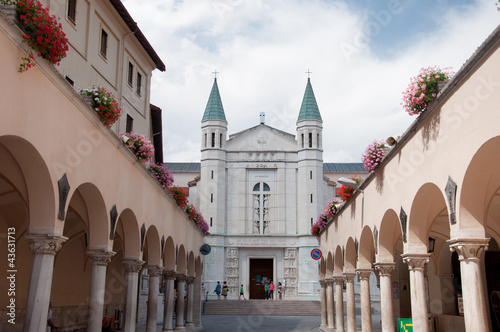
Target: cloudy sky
362	54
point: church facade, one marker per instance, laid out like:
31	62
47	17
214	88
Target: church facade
260	190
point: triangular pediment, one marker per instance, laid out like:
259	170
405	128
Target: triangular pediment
261	138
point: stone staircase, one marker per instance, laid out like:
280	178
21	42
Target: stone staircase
263	307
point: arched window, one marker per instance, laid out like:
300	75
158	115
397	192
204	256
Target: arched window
261	197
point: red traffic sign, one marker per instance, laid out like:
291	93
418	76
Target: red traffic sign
316	254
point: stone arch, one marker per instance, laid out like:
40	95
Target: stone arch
480	190
428	204
389	236
169	254
322	268
329	264
339	261
350	256
127	228
152	246
366	253
181	260
191	264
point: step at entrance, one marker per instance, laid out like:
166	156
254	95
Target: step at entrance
263	307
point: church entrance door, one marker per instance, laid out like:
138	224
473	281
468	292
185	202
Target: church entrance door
261	271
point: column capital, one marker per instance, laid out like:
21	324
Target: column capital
329	281
385	269
322	283
338	278
416	261
100	257
169	274
181	277
154	270
133	265
45	243
364	273
190	279
469	249
349	276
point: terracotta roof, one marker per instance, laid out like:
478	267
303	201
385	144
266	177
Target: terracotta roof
120	8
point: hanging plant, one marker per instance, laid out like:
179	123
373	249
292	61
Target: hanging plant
179	196
346	192
42	32
332	207
374	153
142	148
103	103
201	223
162	174
319	224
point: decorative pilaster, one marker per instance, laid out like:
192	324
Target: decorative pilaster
190	298
232	271
366	315
168	306
290	272
416	265
132	269
470	253
44	248
338	281
100	260
179	310
324	322
330	317
154	272
385	274
350	301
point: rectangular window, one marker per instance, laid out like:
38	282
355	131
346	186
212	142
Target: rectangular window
212	175
130	74
70	81
205	140
213	140
72	11
210	221
311	198
130	124
220	141
311	222
104	43
139	84
302	140
211	198
310	140
310	175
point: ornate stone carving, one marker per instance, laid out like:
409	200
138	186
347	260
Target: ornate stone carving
44	243
338	279
385	269
133	265
364	273
169	274
290	271
349	277
98	257
469	249
232	270
416	261
190	280
180	277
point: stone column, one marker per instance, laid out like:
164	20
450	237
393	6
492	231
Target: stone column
44	248
387	313
154	272
330	304
168	306
416	264
339	302
366	307
470	252
179	309
100	260
132	269
324	322
351	304
197	302
190	298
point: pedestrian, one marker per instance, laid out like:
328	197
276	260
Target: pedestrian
242	293
224	290
280	290
271	291
50	324
218	289
266	287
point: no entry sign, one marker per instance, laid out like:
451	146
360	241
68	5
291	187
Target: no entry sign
316	254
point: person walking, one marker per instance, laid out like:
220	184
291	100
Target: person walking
280	290
224	290
218	289
242	292
271	291
266	288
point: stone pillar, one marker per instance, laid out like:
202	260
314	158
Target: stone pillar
330	304
416	264
350	301
168	306
366	307
154	272
197	293
190	298
339	302
387	313
324	322
44	248
179	309
470	252
100	260
132	269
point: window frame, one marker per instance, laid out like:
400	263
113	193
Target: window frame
130	74
71	11
103	43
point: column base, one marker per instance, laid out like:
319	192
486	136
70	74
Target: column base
189	325
181	328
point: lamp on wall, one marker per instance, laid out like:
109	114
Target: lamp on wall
432	244
128	141
348	182
392	140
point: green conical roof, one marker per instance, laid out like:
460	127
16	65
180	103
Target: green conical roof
309	109
214	109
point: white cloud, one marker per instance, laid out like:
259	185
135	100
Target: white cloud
263	49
